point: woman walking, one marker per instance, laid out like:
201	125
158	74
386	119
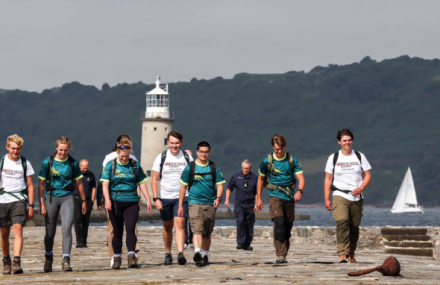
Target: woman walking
344	171
59	172
120	180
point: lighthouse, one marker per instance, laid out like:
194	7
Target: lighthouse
157	122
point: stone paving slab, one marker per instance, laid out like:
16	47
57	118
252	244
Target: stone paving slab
308	263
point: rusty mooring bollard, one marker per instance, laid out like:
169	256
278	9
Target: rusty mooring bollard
390	267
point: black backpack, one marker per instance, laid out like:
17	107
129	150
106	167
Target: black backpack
69	187
192	170
335	159
163	158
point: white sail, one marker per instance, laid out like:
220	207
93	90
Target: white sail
406	200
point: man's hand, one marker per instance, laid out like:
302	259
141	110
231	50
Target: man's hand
356	192
158	204
328	205
100	208
216	203
259	205
84	207
180	211
227	203
30	213
108	205
298	196
43	209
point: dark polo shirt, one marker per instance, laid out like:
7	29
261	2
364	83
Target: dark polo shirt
245	186
89	182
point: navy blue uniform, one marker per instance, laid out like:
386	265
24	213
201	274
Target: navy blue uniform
246	189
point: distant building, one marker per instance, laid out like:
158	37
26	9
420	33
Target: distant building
157	122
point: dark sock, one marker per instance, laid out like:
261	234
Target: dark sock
7	257
17	257
48	255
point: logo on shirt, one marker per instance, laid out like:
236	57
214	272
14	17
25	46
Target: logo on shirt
198	177
54	172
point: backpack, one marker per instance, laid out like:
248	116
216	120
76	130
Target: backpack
335	159
192	172
49	187
132	162
270	170
163	158
24	164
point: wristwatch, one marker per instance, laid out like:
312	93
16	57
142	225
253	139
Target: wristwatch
32	205
219	198
302	192
155	199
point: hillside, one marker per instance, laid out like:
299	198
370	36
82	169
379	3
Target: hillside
391	106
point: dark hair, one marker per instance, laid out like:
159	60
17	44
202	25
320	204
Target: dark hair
123	136
279	140
175	134
203	144
344	132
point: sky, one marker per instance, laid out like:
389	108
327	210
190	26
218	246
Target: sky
44	44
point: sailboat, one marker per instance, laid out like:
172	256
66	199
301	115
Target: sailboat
406	200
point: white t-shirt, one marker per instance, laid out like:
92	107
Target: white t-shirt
12	179
169	186
113	155
348	173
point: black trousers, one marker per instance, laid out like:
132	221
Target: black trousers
188	232
245	215
81	221
124	213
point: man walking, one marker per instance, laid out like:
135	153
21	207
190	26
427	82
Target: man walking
167	170
245	182
82	221
277	173
204	182
16	190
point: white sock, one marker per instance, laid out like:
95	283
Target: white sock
116	255
131	252
205	252
197	250
66	255
49	253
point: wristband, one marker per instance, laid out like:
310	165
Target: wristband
219	198
302	192
32	205
155	199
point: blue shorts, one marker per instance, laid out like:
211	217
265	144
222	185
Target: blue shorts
170	208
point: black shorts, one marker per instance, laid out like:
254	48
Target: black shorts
13	213
170	208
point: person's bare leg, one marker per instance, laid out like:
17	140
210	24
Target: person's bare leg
206	244
197	241
179	224
18	239
167	234
5	240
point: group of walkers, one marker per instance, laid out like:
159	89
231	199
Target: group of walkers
184	190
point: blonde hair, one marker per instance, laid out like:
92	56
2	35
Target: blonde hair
125	142
62	140
15	139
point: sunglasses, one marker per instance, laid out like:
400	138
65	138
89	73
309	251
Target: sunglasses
124	147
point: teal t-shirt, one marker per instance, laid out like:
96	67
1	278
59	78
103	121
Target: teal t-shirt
124	181
61	173
202	191
284	176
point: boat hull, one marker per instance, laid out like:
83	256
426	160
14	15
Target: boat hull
395	211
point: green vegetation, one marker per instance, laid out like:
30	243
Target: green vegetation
391	106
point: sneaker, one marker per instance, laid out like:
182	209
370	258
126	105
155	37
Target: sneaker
65	266
6	265
343	258
16	266
181	258
281	259
112	261
48	263
198	259
239	246
132	261
185	246
205	261
191	245
117	260
351	259
168	259
84	245
248	248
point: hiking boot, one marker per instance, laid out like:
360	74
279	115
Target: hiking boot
6	265
281	259
205	261
65	266
181	258
168	259
351	259
248	248
198	259
343	258
239	246
117	260
16	266
48	263
79	245
132	261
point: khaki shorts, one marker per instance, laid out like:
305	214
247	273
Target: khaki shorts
202	219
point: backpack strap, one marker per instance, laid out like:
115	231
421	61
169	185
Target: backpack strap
112	172
213	172
192	170
162	161
49	176
2	162
135	169
186	155
22	192
358	154
270	171
335	159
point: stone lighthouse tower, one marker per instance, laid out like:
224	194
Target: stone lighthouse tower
157	122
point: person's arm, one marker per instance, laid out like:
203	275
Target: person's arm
228	194
80	188
155	189
144	190
259	202
31	196
105	191
301	184
41	195
360	189
181	198
219	195
327	184
93	194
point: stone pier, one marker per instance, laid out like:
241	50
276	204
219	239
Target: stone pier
312	260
